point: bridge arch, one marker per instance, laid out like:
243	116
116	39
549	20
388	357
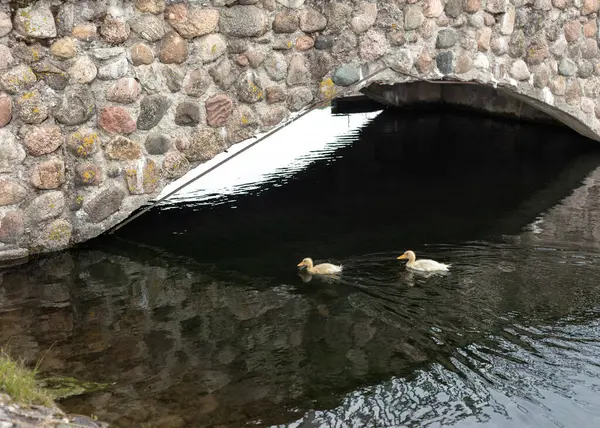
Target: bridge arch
106	102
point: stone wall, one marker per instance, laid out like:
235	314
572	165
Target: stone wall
105	102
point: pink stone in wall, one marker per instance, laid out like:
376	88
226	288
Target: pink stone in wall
311	20
218	110
141	54
41	140
173	49
11	192
433	8
116	120
85	32
483	39
12	226
589	7
176	14
304	43
472	6
191	22
590	28
572	30
242	60
275	94
5	109
114	30
49	174
125	91
372	45
463	64
424	63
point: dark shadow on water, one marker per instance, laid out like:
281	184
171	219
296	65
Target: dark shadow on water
402	182
214	327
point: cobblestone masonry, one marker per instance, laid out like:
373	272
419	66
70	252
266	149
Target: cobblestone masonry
103	103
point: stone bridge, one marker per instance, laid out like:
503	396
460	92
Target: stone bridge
105	102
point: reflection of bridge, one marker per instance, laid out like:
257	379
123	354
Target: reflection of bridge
188	349
128	98
181	345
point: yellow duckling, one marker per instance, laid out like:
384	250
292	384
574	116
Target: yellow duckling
320	269
423	265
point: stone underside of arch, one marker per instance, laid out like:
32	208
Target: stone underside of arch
105	102
474	96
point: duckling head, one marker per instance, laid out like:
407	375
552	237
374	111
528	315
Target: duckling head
307	262
407	255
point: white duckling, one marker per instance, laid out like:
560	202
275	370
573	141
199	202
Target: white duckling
320	269
423	265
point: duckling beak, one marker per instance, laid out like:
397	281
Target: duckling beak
300	264
403	256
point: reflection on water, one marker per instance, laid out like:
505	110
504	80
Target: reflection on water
275	159
205	322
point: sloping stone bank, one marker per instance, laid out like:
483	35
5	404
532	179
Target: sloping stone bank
13	415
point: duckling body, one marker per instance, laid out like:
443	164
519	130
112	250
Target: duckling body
423	265
320	269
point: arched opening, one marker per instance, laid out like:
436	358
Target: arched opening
419	166
473	96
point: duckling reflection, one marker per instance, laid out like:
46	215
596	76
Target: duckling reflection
306	276
412	278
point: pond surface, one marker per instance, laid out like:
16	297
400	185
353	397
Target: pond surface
196	316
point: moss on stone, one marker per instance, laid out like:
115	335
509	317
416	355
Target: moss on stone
88	176
151	176
59	232
327	88
83	143
63	387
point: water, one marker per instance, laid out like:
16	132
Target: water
196	315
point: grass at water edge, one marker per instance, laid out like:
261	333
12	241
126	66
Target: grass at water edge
20	383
